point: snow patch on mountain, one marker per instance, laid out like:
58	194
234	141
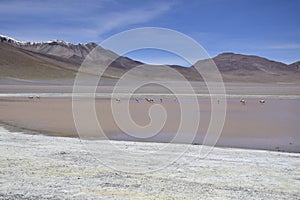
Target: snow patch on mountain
11	40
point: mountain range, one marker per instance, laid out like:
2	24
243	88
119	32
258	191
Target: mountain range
59	60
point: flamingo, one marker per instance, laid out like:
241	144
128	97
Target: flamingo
33	97
149	100
243	101
262	101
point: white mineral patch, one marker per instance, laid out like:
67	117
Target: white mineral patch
42	167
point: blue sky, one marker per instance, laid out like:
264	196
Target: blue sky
268	28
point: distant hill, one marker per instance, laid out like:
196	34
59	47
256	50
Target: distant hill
238	67
58	59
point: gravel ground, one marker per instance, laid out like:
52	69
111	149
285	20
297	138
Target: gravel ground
44	167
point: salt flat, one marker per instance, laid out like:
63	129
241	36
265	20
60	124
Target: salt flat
37	166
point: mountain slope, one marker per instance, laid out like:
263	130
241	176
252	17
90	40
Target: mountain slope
56	48
248	68
248	65
21	64
59	59
295	66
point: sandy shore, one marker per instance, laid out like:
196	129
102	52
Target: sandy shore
273	126
43	167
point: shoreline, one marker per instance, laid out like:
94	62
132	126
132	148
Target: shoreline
126	95
106	86
12	129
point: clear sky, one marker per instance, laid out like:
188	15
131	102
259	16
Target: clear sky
268	28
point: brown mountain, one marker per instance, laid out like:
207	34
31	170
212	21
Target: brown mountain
72	55
22	64
295	66
248	68
58	59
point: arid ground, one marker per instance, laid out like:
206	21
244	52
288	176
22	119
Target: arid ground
36	166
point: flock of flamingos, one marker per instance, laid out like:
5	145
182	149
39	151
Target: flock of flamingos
150	100
243	101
